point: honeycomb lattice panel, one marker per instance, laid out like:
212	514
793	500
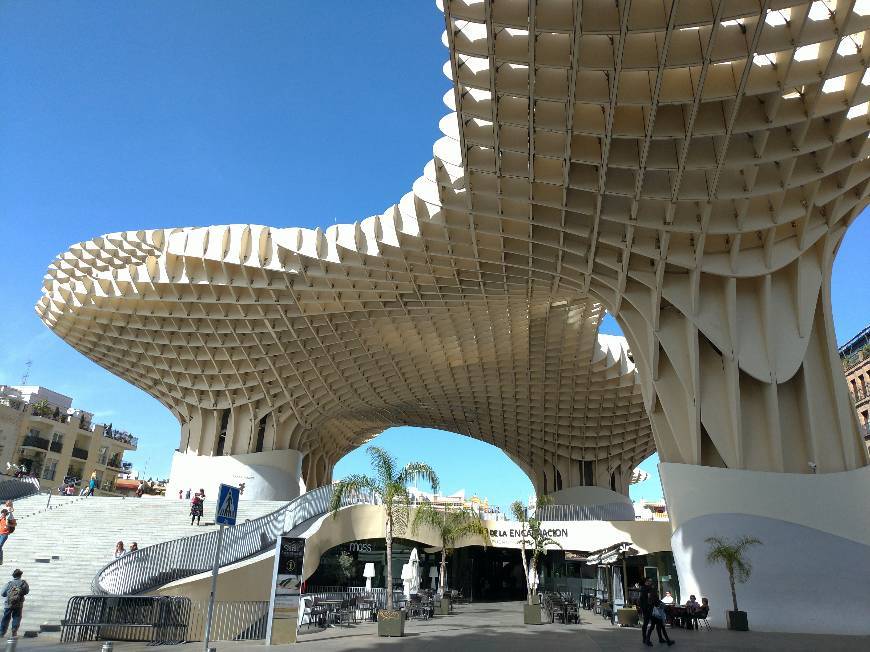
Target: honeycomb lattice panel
650	157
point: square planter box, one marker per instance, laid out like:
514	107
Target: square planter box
533	614
391	622
442	608
737	620
627	617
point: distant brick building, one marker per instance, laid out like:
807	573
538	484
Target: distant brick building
855	355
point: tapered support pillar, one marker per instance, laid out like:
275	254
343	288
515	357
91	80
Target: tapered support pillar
809	575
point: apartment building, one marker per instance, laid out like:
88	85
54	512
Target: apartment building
41	432
855	355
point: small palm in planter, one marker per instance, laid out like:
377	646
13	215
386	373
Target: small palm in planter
390	487
451	525
733	555
537	542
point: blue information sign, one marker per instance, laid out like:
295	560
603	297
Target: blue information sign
227	505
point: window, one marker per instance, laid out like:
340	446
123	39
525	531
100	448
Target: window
57	438
587	470
104	454
222	433
34	432
49	470
261	434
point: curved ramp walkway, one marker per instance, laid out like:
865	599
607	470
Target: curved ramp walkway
170	561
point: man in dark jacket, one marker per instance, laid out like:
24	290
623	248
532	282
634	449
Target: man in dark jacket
14	593
645	604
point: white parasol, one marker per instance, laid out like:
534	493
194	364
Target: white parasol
414	563
407	579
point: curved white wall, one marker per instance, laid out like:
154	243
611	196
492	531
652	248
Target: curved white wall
271	475
809	575
588	496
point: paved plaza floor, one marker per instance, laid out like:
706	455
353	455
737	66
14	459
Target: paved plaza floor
497	627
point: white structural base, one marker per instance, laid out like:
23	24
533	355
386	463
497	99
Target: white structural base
271	475
809	575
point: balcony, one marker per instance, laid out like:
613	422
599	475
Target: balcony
80	453
114	462
855	359
860	396
36	442
122	436
56	446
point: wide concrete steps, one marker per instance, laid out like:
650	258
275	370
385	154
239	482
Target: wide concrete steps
61	548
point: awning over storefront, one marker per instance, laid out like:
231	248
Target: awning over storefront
612	554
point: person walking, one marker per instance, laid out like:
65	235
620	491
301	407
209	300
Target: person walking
14	593
7	526
92	484
195	508
657	617
646	610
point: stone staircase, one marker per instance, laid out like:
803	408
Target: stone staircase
61	548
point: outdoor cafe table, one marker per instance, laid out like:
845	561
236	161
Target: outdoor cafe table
370	605
331	605
676	614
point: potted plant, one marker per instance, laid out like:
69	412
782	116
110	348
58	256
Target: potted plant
533	538
389	486
451	525
41	408
346	566
733	555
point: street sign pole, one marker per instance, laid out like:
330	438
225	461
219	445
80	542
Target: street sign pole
214	576
225	514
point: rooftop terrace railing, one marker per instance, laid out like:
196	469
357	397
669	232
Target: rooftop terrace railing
170	561
604	512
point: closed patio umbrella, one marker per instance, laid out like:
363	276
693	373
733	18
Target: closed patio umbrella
414	563
407	579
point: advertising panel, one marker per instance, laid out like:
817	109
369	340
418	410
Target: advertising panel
286	588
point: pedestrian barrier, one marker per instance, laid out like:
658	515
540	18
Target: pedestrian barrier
160	620
231	621
156	620
149	568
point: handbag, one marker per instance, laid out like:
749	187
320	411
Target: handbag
658	613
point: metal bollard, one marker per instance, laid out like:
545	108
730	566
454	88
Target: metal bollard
11	644
108	646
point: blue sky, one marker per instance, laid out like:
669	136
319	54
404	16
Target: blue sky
122	115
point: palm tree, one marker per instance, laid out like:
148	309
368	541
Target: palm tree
390	486
731	553
451	525
532	537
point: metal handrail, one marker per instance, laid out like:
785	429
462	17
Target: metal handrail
16	488
154	566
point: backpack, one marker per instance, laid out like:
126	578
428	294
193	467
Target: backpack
15	596
9	523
